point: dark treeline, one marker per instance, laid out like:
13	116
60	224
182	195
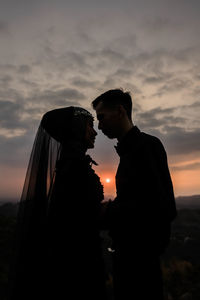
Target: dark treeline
180	264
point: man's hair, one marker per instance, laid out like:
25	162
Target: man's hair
113	98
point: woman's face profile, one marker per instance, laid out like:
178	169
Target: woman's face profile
90	134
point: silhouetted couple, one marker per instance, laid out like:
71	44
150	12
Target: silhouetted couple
58	251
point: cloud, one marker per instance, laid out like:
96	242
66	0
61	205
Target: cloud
10	116
123	73
61	97
195	104
196	92
83	83
24	69
62	61
16	151
162	65
158	25
173	86
10	133
5	80
185	167
4	28
155	79
172	129
104	65
158	118
126	43
20	112
181	141
63	94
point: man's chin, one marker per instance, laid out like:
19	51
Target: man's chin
110	136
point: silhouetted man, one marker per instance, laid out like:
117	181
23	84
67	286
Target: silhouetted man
140	216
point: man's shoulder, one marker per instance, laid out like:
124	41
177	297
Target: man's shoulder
151	140
139	141
152	144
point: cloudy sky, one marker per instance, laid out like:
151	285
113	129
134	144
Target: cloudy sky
63	52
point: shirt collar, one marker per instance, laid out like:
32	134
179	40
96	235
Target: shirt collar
130	138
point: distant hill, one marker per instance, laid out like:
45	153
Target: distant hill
10	207
189	202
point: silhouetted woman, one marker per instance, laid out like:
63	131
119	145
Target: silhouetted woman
58	248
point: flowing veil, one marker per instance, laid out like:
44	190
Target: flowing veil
40	174
29	241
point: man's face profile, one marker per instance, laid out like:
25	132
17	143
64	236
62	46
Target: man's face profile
108	119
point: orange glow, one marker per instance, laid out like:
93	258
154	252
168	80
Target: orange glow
108	181
186	182
11	182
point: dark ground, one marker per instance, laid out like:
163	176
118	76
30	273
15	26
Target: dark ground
180	263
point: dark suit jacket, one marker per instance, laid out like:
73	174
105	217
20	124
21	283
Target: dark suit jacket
140	217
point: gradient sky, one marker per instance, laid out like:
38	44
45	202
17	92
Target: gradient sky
60	53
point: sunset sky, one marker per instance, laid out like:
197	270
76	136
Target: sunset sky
62	52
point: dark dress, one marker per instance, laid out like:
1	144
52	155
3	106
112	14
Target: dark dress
74	246
61	257
140	216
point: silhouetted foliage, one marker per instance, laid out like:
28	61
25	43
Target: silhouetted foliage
181	262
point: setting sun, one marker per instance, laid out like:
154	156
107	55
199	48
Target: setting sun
107	177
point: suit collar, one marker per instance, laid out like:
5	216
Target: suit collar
129	139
